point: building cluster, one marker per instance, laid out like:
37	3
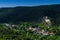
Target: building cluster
41	31
34	29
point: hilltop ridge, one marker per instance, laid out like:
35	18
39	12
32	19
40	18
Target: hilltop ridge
30	14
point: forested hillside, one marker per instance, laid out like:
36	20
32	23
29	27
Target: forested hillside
30	14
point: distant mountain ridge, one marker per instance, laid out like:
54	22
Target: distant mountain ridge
30	14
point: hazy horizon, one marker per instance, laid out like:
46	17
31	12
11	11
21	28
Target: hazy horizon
14	3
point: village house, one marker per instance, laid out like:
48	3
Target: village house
10	25
51	33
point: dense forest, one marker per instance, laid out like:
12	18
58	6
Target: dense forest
30	14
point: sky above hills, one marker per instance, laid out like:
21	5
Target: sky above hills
12	3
